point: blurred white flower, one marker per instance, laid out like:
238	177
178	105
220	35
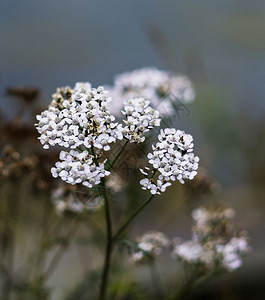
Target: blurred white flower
149	245
190	251
212	221
231	253
211	243
163	89
65	200
115	182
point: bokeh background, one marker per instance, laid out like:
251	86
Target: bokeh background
220	45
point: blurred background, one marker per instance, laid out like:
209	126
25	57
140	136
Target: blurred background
220	45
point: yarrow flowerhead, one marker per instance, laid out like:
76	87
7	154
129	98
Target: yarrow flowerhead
162	89
212	245
172	159
140	118
148	246
78	117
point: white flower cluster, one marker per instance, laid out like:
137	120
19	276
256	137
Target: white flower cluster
149	245
140	118
79	119
79	167
206	217
231	253
163	89
211	245
65	200
173	158
82	119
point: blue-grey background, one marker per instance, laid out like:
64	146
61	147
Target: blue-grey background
220	44
52	43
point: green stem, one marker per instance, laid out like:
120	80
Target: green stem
108	249
193	284
94	156
126	224
205	279
117	156
156	280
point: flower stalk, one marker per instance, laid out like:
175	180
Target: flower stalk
108	249
117	156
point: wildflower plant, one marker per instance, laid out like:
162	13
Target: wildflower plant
213	249
81	121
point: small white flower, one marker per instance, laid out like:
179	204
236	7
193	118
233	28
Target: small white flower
145	171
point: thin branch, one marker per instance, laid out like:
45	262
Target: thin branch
117	156
130	219
156	280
